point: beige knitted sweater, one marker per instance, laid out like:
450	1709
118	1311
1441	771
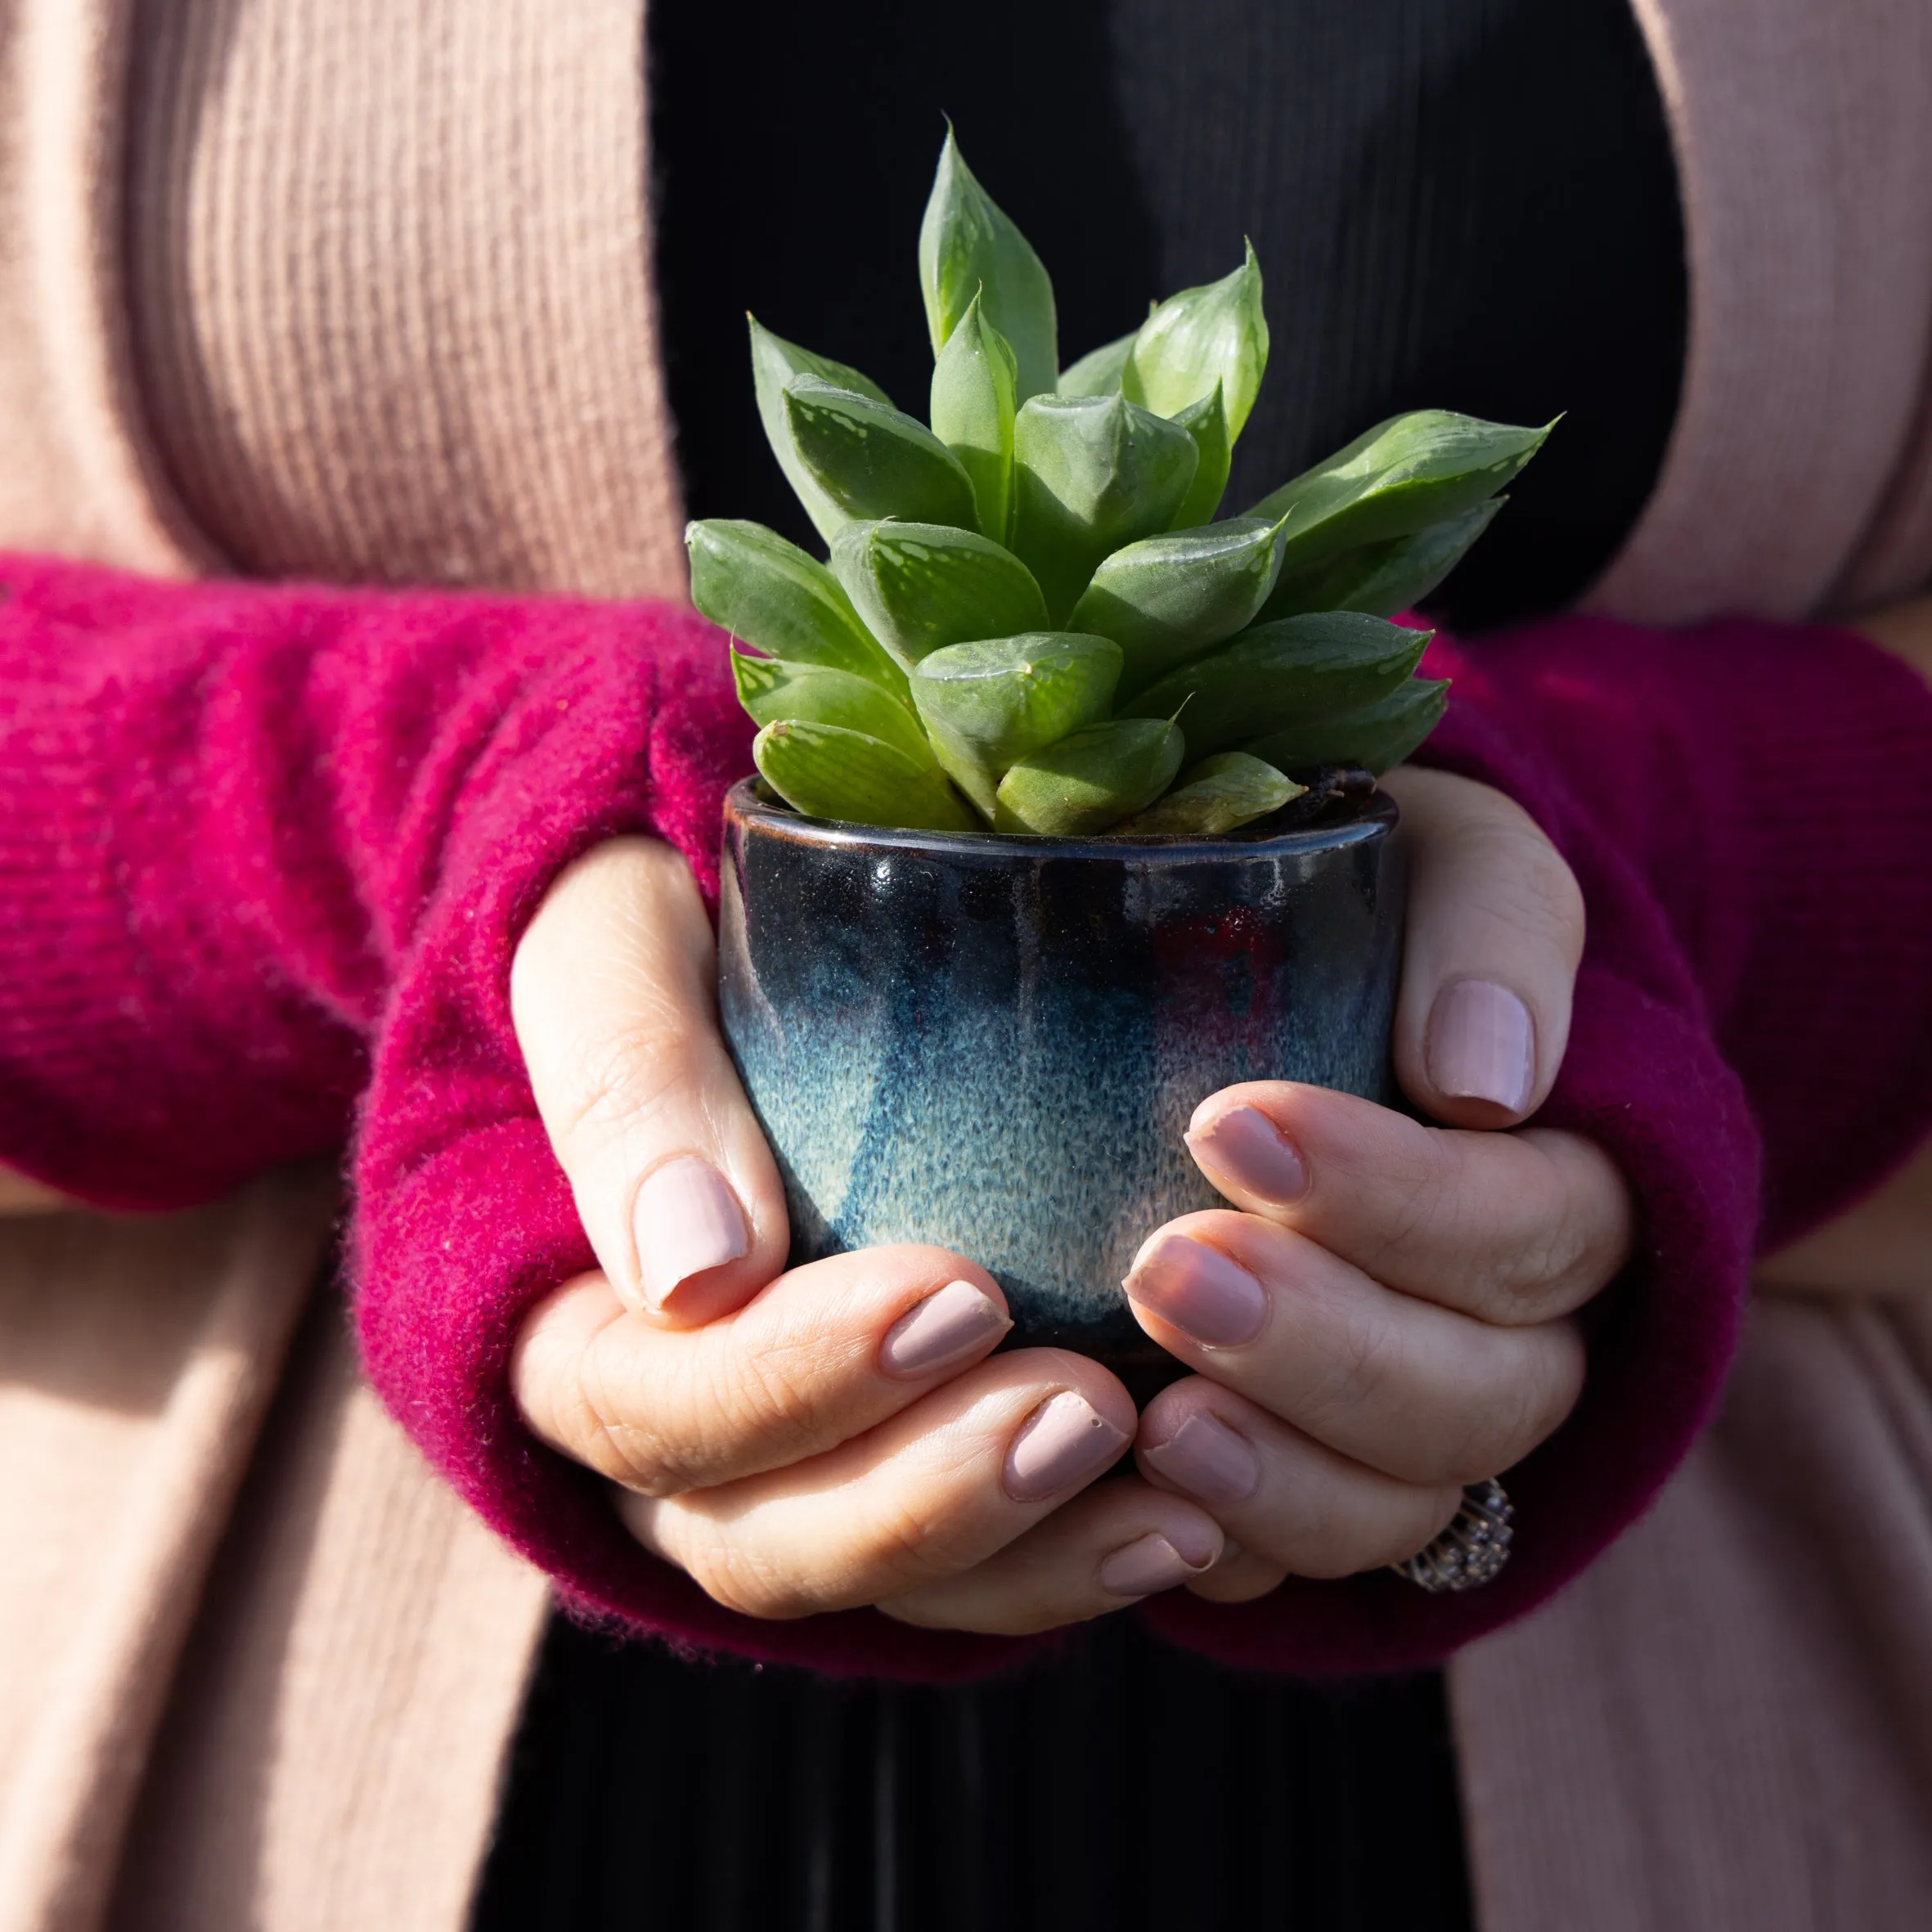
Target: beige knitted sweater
298	285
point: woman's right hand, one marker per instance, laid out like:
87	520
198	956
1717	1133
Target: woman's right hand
817	1438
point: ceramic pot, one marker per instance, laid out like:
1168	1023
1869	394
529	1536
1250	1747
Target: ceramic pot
995	1044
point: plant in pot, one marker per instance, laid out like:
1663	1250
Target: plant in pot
1065	813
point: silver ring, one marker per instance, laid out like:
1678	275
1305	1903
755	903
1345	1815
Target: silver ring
1474	1547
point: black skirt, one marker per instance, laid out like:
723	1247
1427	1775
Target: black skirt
1126	1786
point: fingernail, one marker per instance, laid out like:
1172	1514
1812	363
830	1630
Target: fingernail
1481	1044
1197	1289
1248	1147
687	1219
1146	1566
1208	1460
1063	1442
952	1324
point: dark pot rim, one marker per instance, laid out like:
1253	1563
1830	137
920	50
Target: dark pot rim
752	802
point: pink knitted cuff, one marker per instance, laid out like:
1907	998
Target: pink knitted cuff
266	849
1646	1084
464	1219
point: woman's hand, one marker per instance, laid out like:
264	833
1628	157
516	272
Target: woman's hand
815	1440
1388	1316
837	1435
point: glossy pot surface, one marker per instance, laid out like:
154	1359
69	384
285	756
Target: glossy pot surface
995	1044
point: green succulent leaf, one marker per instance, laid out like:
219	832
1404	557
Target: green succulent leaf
775	361
1383	579
1091	779
1206	421
1098	371
923	585
989	704
968	247
829	771
773	691
973	399
1201	337
768	593
1230	790
1167	599
1397	478
1091	473
873	460
1281	674
1379	735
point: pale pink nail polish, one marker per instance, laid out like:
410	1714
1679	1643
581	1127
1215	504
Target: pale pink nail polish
952	1324
1146	1566
1064	1441
687	1219
1481	1044
1197	1289
1252	1152
1208	1460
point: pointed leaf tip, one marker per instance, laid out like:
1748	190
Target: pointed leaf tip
775	363
770	594
969	244
871	460
975	392
1216	332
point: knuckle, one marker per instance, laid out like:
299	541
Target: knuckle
1510	875
1431	1512
1517	1411
893	1551
897	1549
736	1579
1572	1230
1367	1353
1345	1527
768	1396
629	1452
1547	1261
623	1075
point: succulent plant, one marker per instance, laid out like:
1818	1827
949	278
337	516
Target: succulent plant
1028	620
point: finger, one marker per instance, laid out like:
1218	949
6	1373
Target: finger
18	1195
1114	1544
1240	1577
611	991
1513	1229
1417	1391
1292	1506
1495	932
935	1489
824	1354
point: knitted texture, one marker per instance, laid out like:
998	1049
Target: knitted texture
268	851
1743	805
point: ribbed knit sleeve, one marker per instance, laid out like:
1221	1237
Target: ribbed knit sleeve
1747	806
265	853
1765	791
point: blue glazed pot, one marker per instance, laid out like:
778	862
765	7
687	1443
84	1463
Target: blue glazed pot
995	1044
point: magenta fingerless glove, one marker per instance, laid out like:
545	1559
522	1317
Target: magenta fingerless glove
266	851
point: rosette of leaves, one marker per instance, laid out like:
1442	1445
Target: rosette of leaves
1032	618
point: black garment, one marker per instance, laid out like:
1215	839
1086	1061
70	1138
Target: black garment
1134	1788
1469	204
1459	204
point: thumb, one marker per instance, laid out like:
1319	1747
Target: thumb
612	995
1495	931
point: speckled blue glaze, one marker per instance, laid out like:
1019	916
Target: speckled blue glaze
995	1044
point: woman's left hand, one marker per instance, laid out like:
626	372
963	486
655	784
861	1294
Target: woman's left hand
1388	1316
